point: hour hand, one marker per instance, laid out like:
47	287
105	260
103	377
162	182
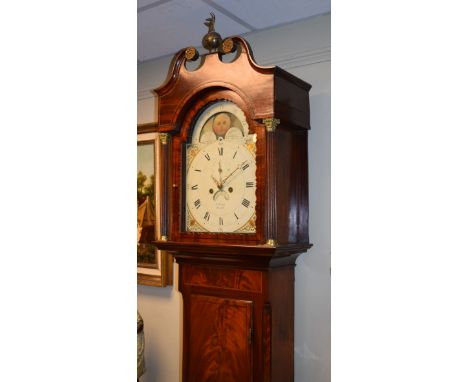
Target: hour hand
216	182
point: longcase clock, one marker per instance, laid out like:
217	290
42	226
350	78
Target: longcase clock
235	212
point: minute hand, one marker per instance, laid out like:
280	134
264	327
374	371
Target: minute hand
232	173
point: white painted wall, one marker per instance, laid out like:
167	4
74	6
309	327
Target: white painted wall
302	48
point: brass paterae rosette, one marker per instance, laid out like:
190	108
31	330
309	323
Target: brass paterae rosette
191	54
227	46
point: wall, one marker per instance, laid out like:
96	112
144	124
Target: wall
302	48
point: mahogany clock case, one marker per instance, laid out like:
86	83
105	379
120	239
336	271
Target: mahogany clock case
238	288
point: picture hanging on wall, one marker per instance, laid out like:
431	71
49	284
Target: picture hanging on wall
154	267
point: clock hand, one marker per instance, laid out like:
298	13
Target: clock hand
229	176
232	173
218	184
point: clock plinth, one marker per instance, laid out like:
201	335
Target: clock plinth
236	218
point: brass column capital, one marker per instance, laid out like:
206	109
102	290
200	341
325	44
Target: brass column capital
164	138
271	124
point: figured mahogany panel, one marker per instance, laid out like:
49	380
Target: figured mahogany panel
220	337
236	279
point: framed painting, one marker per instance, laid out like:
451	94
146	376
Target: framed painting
154	267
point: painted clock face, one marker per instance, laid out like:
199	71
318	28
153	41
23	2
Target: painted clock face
221	172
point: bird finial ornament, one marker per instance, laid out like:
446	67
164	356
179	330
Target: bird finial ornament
212	40
210	22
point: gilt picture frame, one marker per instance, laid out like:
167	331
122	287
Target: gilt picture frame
154	267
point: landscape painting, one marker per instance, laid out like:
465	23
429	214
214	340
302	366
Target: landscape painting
146	219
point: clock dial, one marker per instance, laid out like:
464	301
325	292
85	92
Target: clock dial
220	187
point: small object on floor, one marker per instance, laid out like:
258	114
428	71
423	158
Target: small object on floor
140	347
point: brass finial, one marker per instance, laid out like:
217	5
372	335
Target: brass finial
212	40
